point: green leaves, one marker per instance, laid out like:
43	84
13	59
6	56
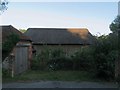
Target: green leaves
8	45
3	5
22	30
115	25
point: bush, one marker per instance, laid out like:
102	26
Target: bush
101	65
104	58
93	58
57	59
8	45
36	62
5	73
83	59
111	57
40	61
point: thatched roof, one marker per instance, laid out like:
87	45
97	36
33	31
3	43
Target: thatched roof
7	30
60	36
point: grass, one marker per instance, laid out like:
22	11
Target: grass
52	76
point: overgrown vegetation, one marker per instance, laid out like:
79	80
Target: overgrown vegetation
39	75
8	45
98	59
85	59
104	58
5	73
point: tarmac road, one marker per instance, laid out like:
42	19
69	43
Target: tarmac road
59	84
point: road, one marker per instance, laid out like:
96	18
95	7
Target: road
59	84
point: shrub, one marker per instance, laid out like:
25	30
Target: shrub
8	45
5	73
83	59
111	57
104	58
57	59
93	58
36	62
54	59
101	65
40	61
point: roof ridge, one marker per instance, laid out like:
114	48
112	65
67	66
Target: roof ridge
58	28
6	25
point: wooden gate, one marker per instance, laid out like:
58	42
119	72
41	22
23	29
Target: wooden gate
21	59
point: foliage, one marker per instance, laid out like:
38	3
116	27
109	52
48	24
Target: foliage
36	63
56	60
115	25
83	59
22	30
51	59
3	5
40	60
8	45
105	55
115	38
5	73
98	59
105	52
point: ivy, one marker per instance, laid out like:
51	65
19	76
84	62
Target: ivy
8	44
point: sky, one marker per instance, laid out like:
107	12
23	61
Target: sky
95	16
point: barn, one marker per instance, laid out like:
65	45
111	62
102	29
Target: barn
19	59
70	39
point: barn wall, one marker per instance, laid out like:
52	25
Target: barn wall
21	59
29	50
12	66
23	56
66	48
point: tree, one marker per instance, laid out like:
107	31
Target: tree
115	25
3	5
22	30
104	57
8	45
115	28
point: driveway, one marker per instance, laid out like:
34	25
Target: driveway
59	84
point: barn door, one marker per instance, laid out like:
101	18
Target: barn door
21	59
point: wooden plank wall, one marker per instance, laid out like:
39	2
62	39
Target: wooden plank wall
21	60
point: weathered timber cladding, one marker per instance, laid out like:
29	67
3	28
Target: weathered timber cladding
67	48
21	59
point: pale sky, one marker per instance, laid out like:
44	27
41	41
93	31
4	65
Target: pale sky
96	16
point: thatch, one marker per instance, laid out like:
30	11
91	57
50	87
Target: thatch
60	36
7	30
